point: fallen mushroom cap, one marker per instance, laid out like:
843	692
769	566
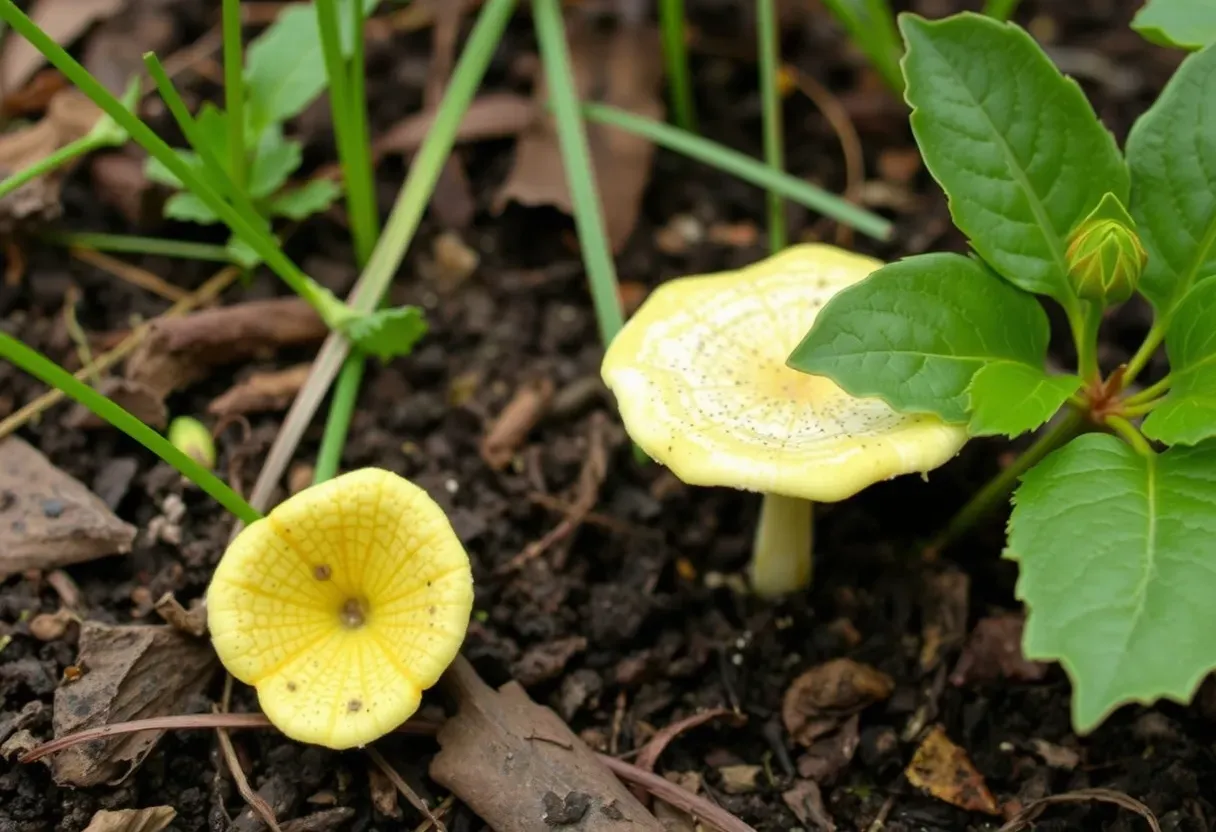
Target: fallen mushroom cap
700	376
341	606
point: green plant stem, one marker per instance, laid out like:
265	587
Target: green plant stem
131	244
1150	392
65	154
1085	332
1130	434
872	25
1000	486
1000	9
257	237
337	423
1141	408
675	55
1156	334
741	166
576	159
50	373
770	97
234	90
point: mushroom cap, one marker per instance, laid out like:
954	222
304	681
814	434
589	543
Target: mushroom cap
700	376
341	606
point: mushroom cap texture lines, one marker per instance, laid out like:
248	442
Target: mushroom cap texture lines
341	606
700	376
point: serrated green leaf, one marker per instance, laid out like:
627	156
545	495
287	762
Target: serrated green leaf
915	332
387	333
187	207
311	198
1185	24
106	131
242	253
1014	144
1188	413
275	160
1115	554
1008	398
1172	153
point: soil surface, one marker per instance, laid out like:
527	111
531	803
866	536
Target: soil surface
631	623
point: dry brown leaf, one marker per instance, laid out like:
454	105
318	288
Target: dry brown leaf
63	21
152	819
824	697
69	116
261	392
133	396
129	673
526	408
180	351
621	68
944	613
945	771
48	519
806	802
495	115
994	651
383	793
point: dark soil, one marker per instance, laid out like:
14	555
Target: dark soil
660	644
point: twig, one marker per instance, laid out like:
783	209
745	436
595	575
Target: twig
134	275
880	820
680	798
409	794
1024	818
440	810
255	800
205	294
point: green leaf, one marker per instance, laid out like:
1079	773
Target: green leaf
310	198
1188	413
155	170
106	130
387	333
871	24
242	253
1172	153
1008	398
1186	24
187	207
1014	144
915	332
211	129
275	160
1115	552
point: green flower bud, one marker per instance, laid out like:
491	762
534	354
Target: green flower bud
191	437
1105	256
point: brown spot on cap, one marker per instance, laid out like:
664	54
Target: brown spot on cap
354	705
322	572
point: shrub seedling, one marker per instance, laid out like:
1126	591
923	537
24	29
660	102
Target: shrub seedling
1113	534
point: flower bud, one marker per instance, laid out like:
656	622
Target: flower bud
1105	256
191	437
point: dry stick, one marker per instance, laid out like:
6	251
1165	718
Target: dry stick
134	275
440	810
205	294
409	794
255	800
663	789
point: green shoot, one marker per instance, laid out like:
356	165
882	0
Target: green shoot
47	371
743	167
1000	9
675	55
337	423
871	24
770	96
234	90
576	159
130	244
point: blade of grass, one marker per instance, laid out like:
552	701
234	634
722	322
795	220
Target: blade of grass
399	230
131	244
576	159
42	368
743	167
872	25
65	154
675	54
337	423
770	98
234	90
1001	9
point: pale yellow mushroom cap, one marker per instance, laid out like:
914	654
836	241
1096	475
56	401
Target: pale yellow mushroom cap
700	376
341	606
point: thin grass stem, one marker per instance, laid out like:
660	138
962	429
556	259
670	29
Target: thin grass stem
675	55
234	91
770	97
131	244
337	422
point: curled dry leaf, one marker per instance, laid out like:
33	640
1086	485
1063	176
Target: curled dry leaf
182	350
261	392
152	819
522	413
63	21
547	660
130	673
806	802
994	651
48	519
945	771
622	68
824	697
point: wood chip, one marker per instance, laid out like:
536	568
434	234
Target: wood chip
152	819
48	519
945	771
129	673
261	392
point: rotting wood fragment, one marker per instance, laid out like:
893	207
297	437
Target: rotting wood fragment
493	760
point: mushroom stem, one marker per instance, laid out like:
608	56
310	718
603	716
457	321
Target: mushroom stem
781	554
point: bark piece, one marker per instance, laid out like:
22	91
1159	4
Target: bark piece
48	519
521	769
129	673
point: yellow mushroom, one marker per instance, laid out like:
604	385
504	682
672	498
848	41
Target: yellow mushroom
341	606
700	376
